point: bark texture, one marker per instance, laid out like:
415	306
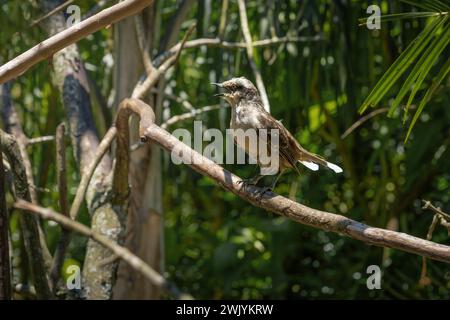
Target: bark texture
70	78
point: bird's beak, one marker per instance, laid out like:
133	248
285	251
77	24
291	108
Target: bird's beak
220	86
217	84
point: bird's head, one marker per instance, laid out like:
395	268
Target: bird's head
237	89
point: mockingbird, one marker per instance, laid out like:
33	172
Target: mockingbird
247	112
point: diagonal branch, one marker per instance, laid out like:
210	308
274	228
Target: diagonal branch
142	88
292	210
143	45
50	46
101	150
191	114
42	139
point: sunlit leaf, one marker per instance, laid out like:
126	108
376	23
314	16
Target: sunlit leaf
437	81
401	64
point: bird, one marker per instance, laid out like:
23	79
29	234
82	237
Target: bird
247	112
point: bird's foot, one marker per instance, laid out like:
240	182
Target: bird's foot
260	193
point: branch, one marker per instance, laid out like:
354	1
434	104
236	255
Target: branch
120	185
14	127
142	88
439	217
50	46
89	171
183	102
28	224
143	45
429	205
174	25
249	41
40	140
190	114
219	43
5	266
70	78
126	255
51	12
223	19
292	210
64	239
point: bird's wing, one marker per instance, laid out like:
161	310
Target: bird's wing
287	143
290	149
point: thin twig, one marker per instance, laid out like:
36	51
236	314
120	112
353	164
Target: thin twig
175	23
143	45
191	114
64	239
40	140
219	43
51	12
223	19
424	279
126	255
89	171
428	205
142	88
249	42
183	102
363	119
441	218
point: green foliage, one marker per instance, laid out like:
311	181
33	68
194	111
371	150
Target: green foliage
219	246
424	50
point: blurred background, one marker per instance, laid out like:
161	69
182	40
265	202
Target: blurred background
208	241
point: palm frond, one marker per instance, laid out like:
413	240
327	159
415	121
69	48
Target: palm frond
432	5
436	82
402	16
421	54
402	63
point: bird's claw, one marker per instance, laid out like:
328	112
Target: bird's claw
262	192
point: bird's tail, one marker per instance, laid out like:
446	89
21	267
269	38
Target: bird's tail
312	162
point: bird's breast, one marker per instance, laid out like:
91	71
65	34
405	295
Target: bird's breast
245	118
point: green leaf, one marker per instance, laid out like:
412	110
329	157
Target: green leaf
437	47
400	65
433	5
420	68
436	82
401	16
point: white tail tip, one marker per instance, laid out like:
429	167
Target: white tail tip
334	167
310	165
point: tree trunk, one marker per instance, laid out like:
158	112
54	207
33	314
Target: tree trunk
70	78
144	223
